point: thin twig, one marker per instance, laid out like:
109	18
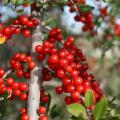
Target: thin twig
7	73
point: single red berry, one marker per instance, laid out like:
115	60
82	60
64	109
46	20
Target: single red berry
22	57
25	117
68	100
59	90
23	97
75	95
17	92
43	117
61	73
42	110
29	59
23	87
10	81
1	81
24	19
26	33
2	72
77	81
23	110
53	59
32	65
20	73
70	88
38	48
66	81
29	24
15	85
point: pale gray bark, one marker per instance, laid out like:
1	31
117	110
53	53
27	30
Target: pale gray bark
35	78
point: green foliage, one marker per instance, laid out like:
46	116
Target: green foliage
89	97
85	8
77	110
100	109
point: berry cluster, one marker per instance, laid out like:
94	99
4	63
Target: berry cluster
20	62
22	25
62	60
84	17
13	88
24	115
66	62
42	111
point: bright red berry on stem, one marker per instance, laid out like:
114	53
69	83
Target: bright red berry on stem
59	90
24	19
42	110
25	117
2	72
26	33
43	117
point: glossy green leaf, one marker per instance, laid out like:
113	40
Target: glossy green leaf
85	8
76	109
100	109
89	98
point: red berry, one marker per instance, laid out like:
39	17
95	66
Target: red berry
25	117
24	19
29	59
2	72
32	65
29	24
35	22
43	117
38	48
61	73
42	110
70	88
23	97
23	86
6	31
53	59
10	81
59	90
22	57
26	33
15	85
1	81
66	81
77	81
17	92
23	110
20	73
75	95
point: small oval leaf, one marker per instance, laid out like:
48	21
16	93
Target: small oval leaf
89	98
2	40
76	109
100	109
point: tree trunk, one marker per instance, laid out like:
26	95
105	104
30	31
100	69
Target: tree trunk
35	79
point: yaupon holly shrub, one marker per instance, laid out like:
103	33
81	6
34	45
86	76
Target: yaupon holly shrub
53	56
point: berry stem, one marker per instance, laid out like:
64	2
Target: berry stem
35	78
7	73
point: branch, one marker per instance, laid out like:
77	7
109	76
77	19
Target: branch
35	81
89	115
7	73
